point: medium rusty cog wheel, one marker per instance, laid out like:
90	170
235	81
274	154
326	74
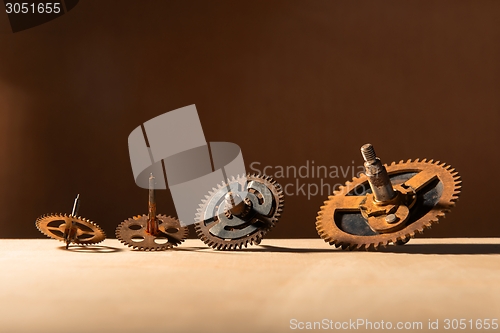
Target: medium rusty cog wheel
53	226
132	232
222	230
436	187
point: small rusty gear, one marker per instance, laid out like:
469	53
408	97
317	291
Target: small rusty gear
132	232
84	232
151	232
429	190
229	222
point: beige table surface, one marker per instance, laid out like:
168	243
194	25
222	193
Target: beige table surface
266	288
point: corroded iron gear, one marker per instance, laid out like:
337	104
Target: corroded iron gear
132	232
70	228
151	232
239	212
390	205
86	231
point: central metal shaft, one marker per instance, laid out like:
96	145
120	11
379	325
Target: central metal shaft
235	204
70	231
76	205
377	175
152	225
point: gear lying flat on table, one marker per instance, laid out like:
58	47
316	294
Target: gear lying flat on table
86	231
70	228
239	212
151	232
389	205
132	232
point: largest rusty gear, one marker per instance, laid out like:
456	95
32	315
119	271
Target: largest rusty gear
388	204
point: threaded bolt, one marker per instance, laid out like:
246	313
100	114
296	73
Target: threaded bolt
368	153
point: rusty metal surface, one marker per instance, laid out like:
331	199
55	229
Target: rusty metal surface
70	229
435	184
226	225
133	233
151	232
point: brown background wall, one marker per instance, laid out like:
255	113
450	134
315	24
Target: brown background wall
288	81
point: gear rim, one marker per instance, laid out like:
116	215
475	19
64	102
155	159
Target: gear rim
327	228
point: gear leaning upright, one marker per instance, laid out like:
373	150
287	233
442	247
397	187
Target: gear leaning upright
240	212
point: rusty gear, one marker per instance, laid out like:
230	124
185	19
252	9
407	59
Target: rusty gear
430	188
85	231
229	227
132	232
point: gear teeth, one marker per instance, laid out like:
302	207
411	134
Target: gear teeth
339	190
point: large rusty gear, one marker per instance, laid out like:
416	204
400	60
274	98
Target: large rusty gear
424	190
228	222
132	232
85	231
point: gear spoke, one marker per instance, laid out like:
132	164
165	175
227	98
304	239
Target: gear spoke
55	228
421	179
351	203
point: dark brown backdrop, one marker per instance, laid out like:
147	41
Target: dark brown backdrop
288	81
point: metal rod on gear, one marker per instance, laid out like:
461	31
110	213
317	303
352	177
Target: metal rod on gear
70	231
235	204
377	175
76	205
152	226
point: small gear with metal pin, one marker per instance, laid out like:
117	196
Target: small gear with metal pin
70	228
388	204
239	212
151	232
